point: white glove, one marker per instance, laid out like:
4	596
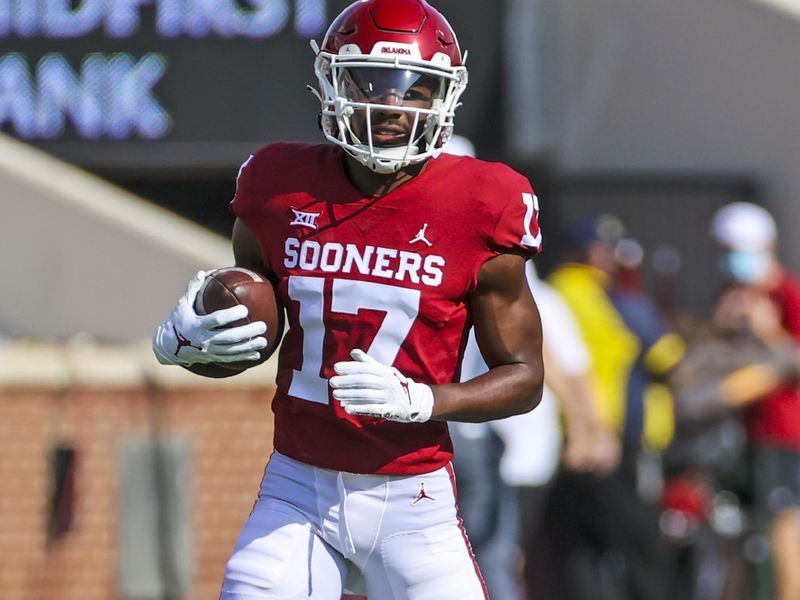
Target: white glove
368	388
186	338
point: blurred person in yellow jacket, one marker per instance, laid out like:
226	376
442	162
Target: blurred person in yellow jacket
600	282
606	528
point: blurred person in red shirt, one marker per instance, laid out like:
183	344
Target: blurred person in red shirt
728	367
747	236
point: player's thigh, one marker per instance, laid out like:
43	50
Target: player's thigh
428	564
278	555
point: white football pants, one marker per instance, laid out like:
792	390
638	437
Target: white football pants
315	533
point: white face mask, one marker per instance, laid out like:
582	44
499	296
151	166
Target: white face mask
746	266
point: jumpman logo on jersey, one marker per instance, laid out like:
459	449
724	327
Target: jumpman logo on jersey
420	237
422	495
183	341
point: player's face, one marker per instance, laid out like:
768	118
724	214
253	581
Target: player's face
391	90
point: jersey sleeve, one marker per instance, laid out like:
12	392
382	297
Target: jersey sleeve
257	177
250	202
244	198
517	227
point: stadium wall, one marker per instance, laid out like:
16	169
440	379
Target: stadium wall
678	87
84	256
74	531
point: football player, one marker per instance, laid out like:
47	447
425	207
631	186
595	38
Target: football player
383	251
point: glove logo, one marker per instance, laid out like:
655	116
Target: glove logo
422	495
404	385
183	341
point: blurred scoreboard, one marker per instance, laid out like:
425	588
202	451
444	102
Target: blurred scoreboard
166	84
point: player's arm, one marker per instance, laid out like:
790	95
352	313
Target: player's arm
246	250
509	333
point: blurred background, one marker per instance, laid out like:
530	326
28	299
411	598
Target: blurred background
124	123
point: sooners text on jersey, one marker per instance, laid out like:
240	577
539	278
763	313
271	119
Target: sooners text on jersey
389	275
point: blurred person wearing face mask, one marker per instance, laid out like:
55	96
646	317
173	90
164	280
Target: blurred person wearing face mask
726	368
747	236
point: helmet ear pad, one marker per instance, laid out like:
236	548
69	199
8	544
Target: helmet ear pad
327	124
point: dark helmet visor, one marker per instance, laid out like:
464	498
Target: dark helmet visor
402	87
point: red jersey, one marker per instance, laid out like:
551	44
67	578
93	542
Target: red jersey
776	418
390	275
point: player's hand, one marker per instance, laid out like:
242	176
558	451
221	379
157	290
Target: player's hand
186	338
595	450
368	388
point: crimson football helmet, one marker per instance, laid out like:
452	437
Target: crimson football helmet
390	74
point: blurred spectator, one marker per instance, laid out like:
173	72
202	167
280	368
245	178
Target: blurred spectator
588	445
660	350
584	279
724	370
505	468
747	236
605	534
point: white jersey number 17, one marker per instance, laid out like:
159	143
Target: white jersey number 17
401	306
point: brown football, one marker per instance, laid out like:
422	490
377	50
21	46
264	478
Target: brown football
230	286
